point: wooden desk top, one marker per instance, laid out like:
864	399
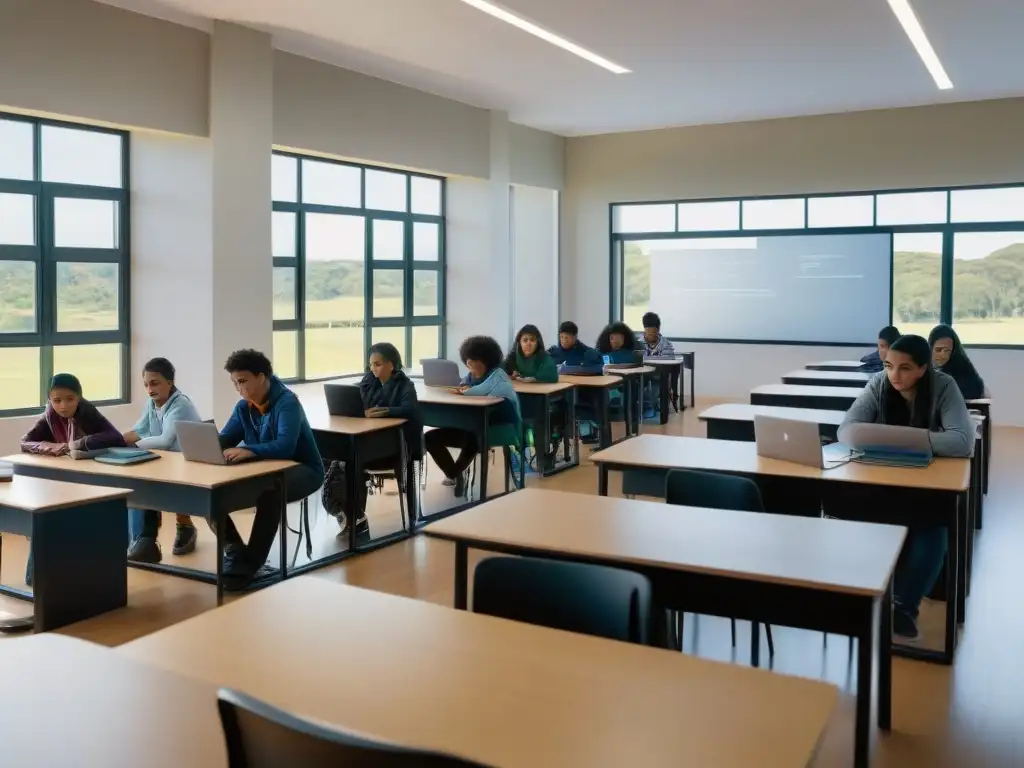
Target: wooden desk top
833	555
637	370
171	467
441	396
663	361
32	494
665	452
853	365
537	388
322	421
71	703
745	412
806	391
598	382
503	693
851	376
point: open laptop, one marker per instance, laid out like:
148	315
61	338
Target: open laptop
789	440
440	373
200	441
343	400
885	444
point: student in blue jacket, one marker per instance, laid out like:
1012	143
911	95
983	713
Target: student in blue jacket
267	423
873	362
158	430
618	342
570	351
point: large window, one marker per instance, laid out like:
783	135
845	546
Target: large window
957	254
358	259
63	260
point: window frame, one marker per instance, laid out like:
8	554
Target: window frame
46	256
618	241
407	265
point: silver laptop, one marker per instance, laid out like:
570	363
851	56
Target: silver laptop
440	373
200	441
789	440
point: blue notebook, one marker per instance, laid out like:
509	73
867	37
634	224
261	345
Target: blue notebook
126	456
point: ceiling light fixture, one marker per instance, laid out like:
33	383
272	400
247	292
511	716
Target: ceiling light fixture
528	26
915	32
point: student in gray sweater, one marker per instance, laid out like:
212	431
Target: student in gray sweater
910	393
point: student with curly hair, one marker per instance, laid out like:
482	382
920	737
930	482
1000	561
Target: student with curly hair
529	360
618	342
482	356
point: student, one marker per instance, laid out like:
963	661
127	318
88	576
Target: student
911	394
70	423
874	361
570	351
655	345
158	430
529	360
267	423
486	378
949	357
618	342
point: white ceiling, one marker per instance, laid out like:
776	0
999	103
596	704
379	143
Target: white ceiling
693	61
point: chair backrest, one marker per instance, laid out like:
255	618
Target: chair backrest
589	599
261	736
712	490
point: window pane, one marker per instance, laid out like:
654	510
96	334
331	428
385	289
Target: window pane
912	208
846	211
426	242
424	293
335	273
917	281
80	223
97	366
426	344
988	303
394	336
1005	204
17	297
17	219
74	156
282	233
636	282
644	218
331	184
284	293
773	214
388	240
426	195
284	178
697	217
385	191
388	299
20	370
87	297
16	150
286	354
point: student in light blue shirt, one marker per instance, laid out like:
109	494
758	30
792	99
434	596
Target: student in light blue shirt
158	430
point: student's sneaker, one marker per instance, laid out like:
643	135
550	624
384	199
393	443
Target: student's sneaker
904	626
649	413
145	549
184	539
362	524
448	482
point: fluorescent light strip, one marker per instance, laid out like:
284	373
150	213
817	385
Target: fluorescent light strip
915	32
527	26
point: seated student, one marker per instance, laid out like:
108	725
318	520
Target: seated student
158	430
655	345
911	394
486	378
529	360
267	423
69	423
570	351
875	361
948	356
618	342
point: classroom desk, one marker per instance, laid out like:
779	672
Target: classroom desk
536	401
835	365
828	378
68	702
634	378
499	692
602	386
797	396
936	494
78	544
984	404
827	575
669	371
172	484
735	421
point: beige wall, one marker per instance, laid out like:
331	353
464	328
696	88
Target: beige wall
537	158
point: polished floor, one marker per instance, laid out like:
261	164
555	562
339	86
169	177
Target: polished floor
970	714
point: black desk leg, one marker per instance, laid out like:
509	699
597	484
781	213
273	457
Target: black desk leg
602	480
755	644
571	425
218	530
485	452
353	476
952	580
282	489
606	418
885	660
693	381
664	384
865	670
962	523
461	575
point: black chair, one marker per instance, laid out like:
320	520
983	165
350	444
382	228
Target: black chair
261	736
712	490
589	599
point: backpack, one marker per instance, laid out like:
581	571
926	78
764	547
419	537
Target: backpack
333	493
